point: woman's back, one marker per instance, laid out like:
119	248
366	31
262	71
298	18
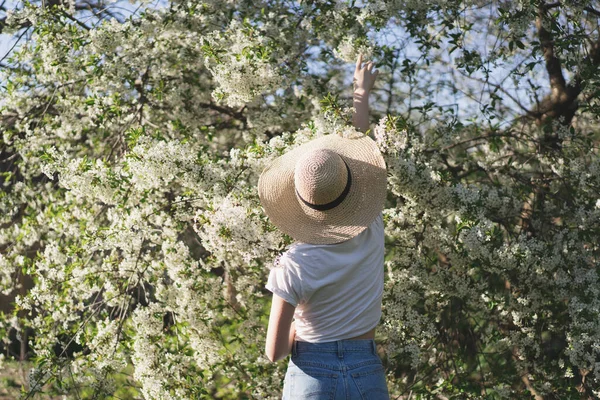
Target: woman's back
336	288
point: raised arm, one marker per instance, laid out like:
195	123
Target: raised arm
364	78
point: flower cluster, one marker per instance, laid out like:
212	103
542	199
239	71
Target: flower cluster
239	61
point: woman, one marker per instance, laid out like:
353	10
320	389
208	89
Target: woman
328	195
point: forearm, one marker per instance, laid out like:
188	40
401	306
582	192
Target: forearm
292	336
360	118
281	330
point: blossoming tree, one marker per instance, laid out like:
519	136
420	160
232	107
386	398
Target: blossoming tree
132	141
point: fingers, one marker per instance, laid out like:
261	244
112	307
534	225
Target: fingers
360	72
368	65
358	62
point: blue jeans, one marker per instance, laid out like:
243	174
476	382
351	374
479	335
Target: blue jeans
344	369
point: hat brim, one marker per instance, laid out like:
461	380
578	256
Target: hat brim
364	201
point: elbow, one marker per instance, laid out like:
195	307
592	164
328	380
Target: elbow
270	354
271	357
274	355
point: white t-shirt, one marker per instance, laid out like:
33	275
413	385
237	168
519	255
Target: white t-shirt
336	288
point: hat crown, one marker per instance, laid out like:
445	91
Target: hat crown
320	176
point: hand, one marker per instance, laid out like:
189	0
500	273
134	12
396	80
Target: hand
364	78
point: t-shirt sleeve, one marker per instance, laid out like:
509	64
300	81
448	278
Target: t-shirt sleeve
285	282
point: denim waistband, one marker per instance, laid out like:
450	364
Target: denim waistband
339	346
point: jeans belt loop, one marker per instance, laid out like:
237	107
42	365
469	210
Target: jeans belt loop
374	345
340	349
294	348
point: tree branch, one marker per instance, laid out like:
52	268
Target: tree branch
14	45
562	103
72	18
552	5
224	110
501	89
553	65
592	11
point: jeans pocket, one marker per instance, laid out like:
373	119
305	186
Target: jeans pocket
370	382
310	383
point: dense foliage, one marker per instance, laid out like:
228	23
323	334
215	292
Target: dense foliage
132	141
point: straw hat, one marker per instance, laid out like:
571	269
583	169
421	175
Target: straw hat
327	190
